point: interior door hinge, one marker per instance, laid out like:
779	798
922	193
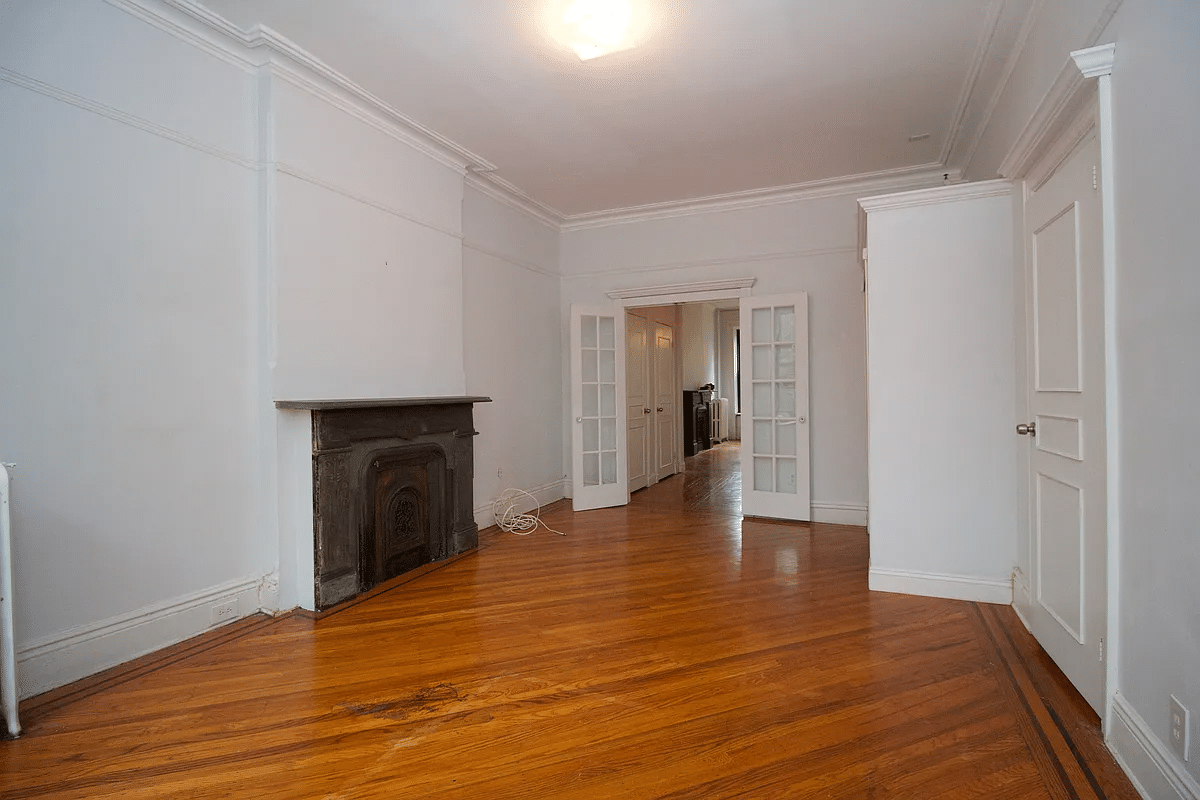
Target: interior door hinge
1095	177
1102	649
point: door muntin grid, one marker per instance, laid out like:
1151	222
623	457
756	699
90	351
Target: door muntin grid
598	355
773	398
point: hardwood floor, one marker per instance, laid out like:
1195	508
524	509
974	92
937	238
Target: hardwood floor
668	649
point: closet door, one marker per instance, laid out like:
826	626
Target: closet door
638	409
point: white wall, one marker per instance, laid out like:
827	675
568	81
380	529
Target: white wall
127	305
941	375
512	351
803	245
369	258
1157	110
698	341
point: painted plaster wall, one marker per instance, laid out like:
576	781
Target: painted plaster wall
1157	114
941	387
127	305
512	352
698	341
368	259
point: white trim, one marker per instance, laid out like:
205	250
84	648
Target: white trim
1155	771
196	25
545	494
53	92
727	285
1057	109
950	587
500	190
1098	62
1055	154
215	36
839	513
1102	21
938	194
288	169
884	180
1005	76
528	265
991	23
713	262
65	657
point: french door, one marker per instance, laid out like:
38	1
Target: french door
775	434
598	435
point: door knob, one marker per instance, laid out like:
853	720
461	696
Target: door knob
579	419
1027	430
660	408
645	411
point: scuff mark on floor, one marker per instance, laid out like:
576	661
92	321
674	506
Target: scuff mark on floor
428	700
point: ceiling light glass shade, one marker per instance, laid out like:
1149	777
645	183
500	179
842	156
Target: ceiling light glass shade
598	27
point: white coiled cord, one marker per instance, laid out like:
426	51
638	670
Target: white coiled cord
504	511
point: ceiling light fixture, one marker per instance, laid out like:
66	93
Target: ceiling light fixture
599	27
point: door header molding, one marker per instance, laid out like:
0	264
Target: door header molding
682	288
1061	105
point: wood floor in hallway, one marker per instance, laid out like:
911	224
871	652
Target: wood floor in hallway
668	649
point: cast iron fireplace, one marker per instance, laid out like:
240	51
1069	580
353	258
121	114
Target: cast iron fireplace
392	489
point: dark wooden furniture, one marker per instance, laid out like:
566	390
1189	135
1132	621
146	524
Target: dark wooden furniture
697	421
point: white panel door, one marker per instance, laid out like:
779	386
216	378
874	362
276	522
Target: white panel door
1065	309
598	460
638	410
775	437
666	420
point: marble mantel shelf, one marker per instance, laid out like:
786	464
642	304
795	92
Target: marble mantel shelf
377	402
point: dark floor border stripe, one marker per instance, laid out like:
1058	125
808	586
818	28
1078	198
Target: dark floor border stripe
1060	768
1062	729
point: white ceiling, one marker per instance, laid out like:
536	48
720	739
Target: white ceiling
719	96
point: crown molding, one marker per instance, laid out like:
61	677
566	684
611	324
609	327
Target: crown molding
1006	74
938	194
261	46
504	192
882	181
991	24
733	284
1063	104
1102	21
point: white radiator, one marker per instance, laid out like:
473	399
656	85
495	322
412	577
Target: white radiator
8	651
720	431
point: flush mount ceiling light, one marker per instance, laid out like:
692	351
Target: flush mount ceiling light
594	28
600	26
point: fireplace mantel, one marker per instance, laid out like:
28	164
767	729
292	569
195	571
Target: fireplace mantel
376	402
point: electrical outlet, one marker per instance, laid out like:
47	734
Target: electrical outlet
224	612
1179	728
500	472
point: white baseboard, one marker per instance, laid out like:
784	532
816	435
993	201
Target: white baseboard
839	513
1022	600
65	657
950	587
544	495
1156	772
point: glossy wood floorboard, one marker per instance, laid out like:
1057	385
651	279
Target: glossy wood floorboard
668	649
